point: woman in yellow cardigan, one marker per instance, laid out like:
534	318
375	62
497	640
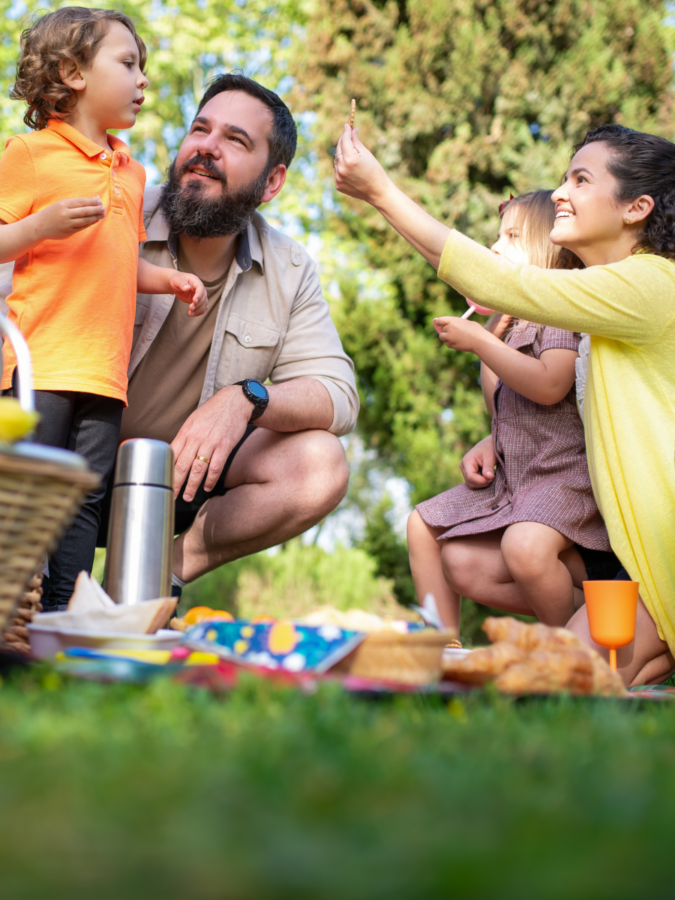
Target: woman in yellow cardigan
616	212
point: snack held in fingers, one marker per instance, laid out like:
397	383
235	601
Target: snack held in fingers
352	113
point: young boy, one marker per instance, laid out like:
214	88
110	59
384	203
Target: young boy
76	267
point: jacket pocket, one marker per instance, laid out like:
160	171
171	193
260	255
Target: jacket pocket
249	351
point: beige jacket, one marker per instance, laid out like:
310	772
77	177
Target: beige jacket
274	323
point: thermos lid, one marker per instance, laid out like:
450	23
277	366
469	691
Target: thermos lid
144	461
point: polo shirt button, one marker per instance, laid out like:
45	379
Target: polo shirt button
117	190
149	337
248	339
296	260
103	156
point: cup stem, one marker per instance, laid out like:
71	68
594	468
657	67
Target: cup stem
612	658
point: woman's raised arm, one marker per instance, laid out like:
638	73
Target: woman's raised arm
358	174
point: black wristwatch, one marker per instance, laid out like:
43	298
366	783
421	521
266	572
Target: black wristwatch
258	395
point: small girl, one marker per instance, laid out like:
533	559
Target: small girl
536	521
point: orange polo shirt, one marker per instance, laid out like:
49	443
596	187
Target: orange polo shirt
74	300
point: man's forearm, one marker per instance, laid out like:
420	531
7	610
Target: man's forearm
297	405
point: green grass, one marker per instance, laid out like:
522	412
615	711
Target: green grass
125	792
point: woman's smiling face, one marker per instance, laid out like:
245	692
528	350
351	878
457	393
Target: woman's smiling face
588	215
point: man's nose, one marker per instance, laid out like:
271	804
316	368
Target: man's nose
208	146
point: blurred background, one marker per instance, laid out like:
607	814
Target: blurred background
465	102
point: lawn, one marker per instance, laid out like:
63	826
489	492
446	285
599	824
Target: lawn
125	792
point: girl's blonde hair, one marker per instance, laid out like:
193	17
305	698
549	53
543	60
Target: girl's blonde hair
534	221
69	33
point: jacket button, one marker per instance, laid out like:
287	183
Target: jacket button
295	259
248	338
149	337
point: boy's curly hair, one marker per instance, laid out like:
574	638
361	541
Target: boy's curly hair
73	33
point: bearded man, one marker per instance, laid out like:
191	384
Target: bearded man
256	464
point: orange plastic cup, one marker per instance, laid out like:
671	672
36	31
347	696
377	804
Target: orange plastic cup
612	610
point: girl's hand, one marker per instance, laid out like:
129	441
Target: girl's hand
458	334
357	172
478	465
189	289
64	218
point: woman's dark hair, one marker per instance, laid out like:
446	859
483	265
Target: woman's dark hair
283	138
643	164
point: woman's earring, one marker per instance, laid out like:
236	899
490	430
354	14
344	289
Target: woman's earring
626	220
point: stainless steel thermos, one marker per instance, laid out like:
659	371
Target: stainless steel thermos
139	560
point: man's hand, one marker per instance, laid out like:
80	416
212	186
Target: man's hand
189	289
211	432
458	334
478	465
66	217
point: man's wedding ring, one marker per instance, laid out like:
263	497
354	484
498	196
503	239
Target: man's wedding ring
204	459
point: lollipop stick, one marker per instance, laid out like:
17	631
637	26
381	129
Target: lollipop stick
612	658
352	113
468	313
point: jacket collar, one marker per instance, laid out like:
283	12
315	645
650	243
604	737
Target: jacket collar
89	148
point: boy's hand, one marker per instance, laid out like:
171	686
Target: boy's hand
458	334
189	289
66	217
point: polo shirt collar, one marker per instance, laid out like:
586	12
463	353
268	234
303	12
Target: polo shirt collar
89	148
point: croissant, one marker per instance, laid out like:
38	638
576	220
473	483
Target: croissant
542	673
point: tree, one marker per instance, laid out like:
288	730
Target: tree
463	101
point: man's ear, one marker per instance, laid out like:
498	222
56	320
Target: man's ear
71	74
275	182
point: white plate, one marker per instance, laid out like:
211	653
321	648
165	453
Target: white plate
46	641
455	652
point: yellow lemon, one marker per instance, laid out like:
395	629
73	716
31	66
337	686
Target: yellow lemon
14	421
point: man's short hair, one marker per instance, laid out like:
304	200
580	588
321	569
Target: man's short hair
69	33
283	138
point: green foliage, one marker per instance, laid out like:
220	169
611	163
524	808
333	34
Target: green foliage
382	543
294	581
462	102
115	791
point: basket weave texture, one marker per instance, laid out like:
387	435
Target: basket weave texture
38	500
16	637
414	658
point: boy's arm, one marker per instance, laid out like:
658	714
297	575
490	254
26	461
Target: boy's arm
546	380
187	287
56	222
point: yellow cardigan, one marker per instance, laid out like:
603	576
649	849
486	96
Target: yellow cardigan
628	308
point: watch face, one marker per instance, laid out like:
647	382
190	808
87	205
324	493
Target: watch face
257	389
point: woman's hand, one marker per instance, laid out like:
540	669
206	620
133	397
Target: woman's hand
357	173
478	465
497	324
458	334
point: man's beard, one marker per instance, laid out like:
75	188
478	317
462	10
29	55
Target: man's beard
189	212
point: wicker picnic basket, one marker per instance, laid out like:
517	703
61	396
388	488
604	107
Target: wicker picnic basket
41	489
414	658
